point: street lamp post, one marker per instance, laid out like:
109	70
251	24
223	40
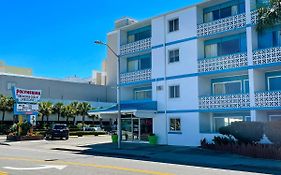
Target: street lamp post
119	132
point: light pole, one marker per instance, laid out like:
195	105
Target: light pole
119	132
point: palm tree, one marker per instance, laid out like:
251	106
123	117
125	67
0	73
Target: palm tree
68	112
57	109
269	15
75	105
45	109
83	109
6	105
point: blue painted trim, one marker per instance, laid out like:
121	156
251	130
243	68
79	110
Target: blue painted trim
174	133
157	46
180	41
136	101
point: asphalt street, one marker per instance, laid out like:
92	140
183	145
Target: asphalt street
43	157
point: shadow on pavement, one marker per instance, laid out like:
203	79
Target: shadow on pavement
190	156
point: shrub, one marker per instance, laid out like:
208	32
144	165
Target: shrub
218	140
273	131
244	132
4	129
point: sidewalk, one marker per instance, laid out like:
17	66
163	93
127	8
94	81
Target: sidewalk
185	156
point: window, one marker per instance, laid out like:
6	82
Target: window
174	91
272	36
219	122
225	46
143	95
246	86
174	25
10	85
275	118
274	83
224	10
139	34
139	63
174	56
231	87
175	124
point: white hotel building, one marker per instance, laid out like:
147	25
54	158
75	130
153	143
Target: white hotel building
186	73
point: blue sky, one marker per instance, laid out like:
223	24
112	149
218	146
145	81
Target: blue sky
54	37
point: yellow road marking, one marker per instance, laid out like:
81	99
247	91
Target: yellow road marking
3	173
133	170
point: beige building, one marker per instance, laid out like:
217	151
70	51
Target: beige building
14	70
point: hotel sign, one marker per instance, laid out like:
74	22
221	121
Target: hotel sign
26	96
26	109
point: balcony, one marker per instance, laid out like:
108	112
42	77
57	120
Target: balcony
234	101
267	56
268	99
221	25
135	46
223	62
136	76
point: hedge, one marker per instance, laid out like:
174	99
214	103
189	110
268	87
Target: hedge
244	132
273	131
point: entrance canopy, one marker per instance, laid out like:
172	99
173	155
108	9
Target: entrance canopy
143	109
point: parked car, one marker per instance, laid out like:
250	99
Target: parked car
58	131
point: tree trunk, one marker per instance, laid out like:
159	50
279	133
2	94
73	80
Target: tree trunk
58	117
83	121
42	120
3	116
74	120
47	119
67	120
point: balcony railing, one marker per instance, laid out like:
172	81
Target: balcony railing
136	76
267	56
235	101
268	99
135	46
222	25
254	16
223	62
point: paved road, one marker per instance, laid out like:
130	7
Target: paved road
41	157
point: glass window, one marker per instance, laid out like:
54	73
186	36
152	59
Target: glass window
174	56
174	25
225	12
227	88
274	83
216	15
145	63
175	124
275	118
246	86
142	35
219	122
211	50
143	95
229	47
131	38
208	17
133	65
174	91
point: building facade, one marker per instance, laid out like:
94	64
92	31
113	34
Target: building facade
186	73
57	90
14	70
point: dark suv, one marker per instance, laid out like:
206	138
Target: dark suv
58	131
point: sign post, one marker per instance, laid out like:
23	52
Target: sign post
26	104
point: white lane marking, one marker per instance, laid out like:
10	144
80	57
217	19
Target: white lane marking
43	167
